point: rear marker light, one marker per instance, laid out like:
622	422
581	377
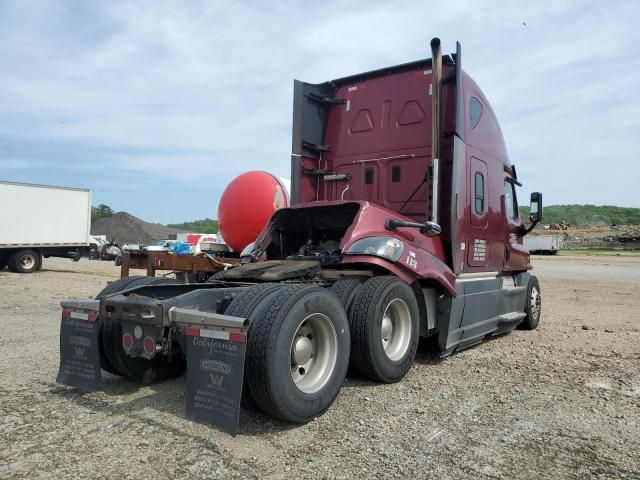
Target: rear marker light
149	346
127	341
137	332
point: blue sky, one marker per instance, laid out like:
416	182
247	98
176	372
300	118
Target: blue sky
156	106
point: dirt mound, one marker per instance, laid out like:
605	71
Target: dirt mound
125	228
617	236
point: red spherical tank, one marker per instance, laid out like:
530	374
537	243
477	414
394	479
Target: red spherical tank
247	204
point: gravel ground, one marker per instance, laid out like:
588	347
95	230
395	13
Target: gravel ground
560	402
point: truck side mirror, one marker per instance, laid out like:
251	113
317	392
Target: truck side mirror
535	210
430	229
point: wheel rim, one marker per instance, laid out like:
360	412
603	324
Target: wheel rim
536	303
314	353
28	262
395	329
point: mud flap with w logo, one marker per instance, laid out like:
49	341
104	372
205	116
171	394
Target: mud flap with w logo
215	368
79	350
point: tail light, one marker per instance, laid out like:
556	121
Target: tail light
127	341
149	346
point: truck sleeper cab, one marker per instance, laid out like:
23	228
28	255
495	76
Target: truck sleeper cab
403	223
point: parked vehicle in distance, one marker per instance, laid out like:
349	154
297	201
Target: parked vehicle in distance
403	223
203	242
39	221
131	247
160	246
543	244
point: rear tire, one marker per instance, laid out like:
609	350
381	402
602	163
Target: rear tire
114	359
242	306
533	307
297	352
24	261
139	370
122	284
216	276
347	289
385	328
111	288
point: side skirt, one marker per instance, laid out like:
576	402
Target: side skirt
485	306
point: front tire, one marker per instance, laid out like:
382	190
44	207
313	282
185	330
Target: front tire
533	307
385	328
297	353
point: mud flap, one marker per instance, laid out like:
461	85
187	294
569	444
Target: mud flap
215	370
79	349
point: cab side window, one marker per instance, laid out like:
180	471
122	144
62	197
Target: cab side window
510	201
475	111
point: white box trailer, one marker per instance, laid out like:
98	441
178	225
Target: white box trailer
42	221
543	244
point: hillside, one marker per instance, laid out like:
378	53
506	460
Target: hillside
588	215
207	225
124	228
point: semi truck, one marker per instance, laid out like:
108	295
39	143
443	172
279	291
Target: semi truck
39	221
403	223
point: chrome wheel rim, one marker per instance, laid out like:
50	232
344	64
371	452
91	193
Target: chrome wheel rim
28	262
314	353
395	329
536	303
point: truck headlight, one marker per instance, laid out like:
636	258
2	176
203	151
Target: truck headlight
387	247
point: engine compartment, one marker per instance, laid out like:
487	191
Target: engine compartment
310	233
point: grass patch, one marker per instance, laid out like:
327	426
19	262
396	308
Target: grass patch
599	251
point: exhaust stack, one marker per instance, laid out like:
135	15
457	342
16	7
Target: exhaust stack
436	128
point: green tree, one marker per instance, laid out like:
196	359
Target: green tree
588	215
207	225
101	211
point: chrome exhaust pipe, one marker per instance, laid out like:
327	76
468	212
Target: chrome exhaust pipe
436	124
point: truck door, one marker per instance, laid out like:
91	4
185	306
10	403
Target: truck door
477	186
515	254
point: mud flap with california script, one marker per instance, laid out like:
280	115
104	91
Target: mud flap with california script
215	369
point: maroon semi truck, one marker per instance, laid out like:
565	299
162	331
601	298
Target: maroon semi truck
403	224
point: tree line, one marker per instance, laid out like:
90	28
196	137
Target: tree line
588	215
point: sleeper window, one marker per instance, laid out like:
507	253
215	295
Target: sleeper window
475	111
479	193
